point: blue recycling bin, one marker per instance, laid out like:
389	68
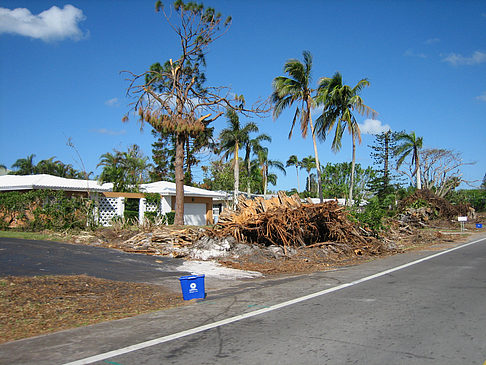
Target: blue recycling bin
192	287
479	225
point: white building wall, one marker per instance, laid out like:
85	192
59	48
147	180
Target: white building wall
165	204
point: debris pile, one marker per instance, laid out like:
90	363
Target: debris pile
286	222
165	240
423	206
440	205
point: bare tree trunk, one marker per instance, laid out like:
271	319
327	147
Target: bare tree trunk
179	180
350	198
237	176
387	151
417	171
265	182
298	185
318	166
419	180
188	162
248	168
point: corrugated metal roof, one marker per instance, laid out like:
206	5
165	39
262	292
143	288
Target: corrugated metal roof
42	181
29	182
169	188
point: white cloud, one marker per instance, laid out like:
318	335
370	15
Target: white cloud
482	97
109	132
411	53
112	102
458	60
373	126
432	41
50	25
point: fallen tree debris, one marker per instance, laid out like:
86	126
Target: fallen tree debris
285	221
439	206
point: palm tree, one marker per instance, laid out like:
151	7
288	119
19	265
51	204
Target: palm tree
231	140
296	89
410	144
252	145
47	166
135	166
25	166
294	161
308	163
112	170
339	102
265	165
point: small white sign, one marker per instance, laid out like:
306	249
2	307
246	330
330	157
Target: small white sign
462	219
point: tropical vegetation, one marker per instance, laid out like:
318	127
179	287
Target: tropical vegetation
125	169
50	166
339	103
296	89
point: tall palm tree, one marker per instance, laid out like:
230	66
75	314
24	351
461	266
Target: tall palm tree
296	89
25	166
252	145
265	165
308	163
339	103
232	139
294	161
411	144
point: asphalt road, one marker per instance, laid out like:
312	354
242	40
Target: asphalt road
431	312
20	257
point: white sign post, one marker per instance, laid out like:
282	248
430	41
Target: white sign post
462	220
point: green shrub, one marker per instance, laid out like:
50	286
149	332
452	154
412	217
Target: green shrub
130	215
44	209
151	216
170	217
372	215
153	198
475	197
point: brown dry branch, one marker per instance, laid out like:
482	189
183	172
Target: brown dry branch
285	221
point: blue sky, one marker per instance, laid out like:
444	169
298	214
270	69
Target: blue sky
60	72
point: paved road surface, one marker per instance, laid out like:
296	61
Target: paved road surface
28	258
433	312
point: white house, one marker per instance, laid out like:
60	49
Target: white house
198	203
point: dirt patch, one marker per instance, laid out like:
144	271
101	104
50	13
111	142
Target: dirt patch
31	306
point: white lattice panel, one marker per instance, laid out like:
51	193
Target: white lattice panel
108	208
152	207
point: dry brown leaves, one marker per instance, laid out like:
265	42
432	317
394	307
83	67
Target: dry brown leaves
31	306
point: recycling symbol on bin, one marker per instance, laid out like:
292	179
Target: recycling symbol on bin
192	288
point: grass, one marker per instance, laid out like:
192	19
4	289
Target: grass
34	236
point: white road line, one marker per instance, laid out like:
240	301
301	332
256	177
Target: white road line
157	341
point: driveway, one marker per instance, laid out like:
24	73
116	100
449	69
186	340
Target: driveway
20	257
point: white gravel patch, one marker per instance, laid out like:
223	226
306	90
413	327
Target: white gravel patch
213	269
